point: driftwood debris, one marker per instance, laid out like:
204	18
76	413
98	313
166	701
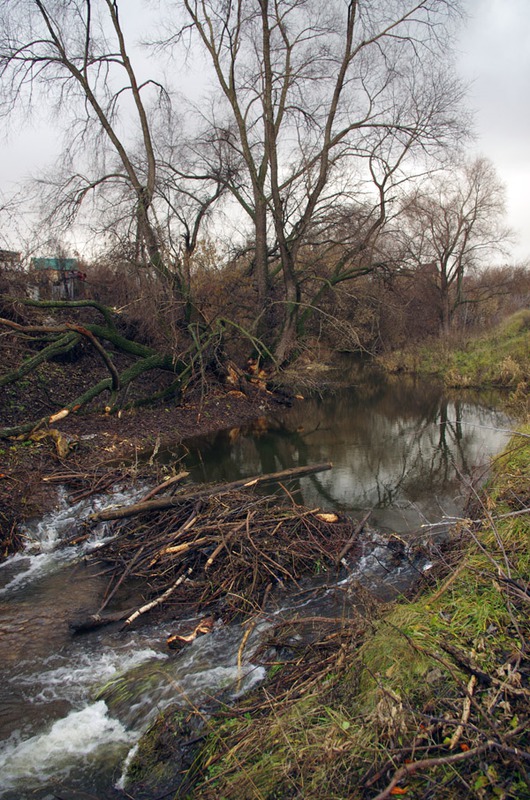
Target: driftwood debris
221	551
162	503
179	640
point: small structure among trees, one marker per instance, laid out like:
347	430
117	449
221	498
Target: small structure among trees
58	278
10	259
10	271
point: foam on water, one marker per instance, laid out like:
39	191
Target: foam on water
52	754
120	783
193	688
43	553
204	669
73	678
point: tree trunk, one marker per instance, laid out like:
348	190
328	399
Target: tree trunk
289	333
445	306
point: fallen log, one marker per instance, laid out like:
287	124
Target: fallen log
161	503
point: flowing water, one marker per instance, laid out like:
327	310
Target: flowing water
402	451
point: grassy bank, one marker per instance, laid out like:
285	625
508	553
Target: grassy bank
427	699
500	357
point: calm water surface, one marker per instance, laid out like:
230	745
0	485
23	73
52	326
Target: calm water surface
399	448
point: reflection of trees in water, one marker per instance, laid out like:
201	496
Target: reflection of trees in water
432	455
232	454
407	444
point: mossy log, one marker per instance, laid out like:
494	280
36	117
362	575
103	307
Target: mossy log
68	334
108	314
126	377
58	347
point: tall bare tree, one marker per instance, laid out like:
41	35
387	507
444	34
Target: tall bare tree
452	225
73	55
315	94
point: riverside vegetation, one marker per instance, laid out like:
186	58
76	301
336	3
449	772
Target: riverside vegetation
433	699
427	698
241	222
498	357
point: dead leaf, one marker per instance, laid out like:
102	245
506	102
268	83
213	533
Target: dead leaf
62	444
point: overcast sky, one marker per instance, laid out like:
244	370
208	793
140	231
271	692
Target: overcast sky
494	56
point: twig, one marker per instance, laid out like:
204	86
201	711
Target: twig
158	600
448	583
428	763
466	709
165	485
122	577
352	541
222	544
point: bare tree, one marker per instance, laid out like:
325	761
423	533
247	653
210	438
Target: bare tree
318	94
319	104
453	225
72	55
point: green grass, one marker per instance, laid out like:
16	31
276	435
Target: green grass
500	357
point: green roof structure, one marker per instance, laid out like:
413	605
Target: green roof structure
60	264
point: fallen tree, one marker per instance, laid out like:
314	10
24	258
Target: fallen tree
201	353
161	503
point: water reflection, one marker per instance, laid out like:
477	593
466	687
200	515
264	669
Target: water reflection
398	447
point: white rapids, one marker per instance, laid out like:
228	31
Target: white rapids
58	737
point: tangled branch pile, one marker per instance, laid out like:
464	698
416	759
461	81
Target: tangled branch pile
433	701
224	552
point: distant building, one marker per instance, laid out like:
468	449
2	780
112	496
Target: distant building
12	277
58	278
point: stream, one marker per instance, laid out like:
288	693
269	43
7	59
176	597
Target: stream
403	451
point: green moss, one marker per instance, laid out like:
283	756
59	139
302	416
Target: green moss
164	756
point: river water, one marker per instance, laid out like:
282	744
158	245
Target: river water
403	451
